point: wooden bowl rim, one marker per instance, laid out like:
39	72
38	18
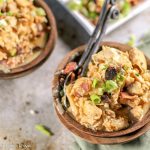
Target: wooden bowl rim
104	140
77	125
46	51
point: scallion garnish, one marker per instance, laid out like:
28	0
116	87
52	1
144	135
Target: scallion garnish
95	82
110	86
95	99
44	130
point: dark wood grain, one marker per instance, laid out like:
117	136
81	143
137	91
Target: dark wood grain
45	53
75	125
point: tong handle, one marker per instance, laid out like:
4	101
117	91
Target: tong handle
96	31
112	13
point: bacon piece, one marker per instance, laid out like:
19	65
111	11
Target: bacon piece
125	95
85	87
70	67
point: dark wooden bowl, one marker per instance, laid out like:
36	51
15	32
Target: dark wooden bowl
102	140
78	126
25	69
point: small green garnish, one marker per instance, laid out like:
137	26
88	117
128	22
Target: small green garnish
132	40
40	12
85	12
125	67
73	5
137	74
120	77
105	67
100	91
126	8
95	99
43	129
110	86
92	15
92	6
95	82
9	13
13	52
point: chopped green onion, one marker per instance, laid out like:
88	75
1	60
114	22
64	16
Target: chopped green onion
10	13
125	67
95	99
137	74
44	130
73	5
126	8
132	40
40	12
92	6
95	82
100	91
13	52
85	12
105	67
120	77
92	15
110	86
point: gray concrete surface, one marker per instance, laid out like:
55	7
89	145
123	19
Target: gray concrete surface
20	97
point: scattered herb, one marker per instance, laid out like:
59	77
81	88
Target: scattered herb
73	5
40	12
95	82
95	99
125	67
13	52
105	67
10	13
110	86
120	77
137	74
126	8
100	91
132	40
92	15
43	129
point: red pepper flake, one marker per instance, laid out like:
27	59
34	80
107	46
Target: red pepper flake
70	67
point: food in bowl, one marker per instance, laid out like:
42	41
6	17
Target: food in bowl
91	8
23	33
114	94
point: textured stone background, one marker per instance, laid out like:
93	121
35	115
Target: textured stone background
19	97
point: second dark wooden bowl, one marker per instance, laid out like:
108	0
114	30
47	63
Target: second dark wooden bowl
78	126
25	69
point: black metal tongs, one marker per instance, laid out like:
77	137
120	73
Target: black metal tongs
109	11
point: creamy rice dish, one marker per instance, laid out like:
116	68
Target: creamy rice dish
23	32
114	94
